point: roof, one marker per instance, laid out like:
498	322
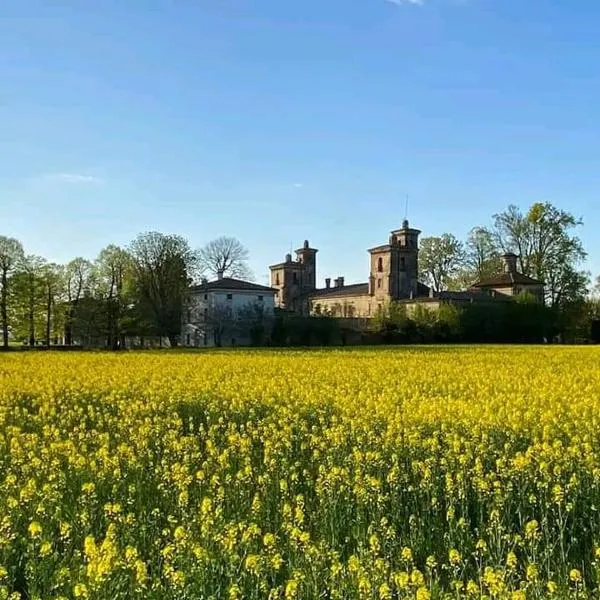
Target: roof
355	289
507	280
292	263
229	283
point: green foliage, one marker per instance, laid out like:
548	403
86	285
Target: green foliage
440	258
547	248
163	267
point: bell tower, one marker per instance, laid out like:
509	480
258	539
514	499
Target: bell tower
293	278
395	266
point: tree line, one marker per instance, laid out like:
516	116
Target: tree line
135	290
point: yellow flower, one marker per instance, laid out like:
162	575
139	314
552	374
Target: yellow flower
35	529
423	594
532	572
454	557
511	560
406	554
575	575
80	591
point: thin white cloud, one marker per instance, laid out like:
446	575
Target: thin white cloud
298	185
403	2
76	178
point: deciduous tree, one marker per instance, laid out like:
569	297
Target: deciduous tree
163	267
547	248
225	257
440	259
11	255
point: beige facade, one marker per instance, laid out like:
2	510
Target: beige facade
393	277
511	282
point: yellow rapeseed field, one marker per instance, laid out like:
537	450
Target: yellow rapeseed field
417	473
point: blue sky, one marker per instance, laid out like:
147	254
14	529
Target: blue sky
275	121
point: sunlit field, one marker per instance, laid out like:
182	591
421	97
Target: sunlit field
369	473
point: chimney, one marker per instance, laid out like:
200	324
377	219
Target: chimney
204	281
510	263
327	282
339	282
220	274
288	258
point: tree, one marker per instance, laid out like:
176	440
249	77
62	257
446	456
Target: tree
439	260
596	289
29	297
163	268
482	255
11	255
548	251
224	257
114	274
51	279
78	281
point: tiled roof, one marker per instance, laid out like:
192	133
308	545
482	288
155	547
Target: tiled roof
507	280
229	283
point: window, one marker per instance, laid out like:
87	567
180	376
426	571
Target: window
277	279
379	283
403	263
380	265
188	339
206	296
229	296
261	298
295	277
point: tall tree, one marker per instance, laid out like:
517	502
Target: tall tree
11	255
482	255
51	276
439	260
163	267
224	257
114	267
29	296
548	250
78	279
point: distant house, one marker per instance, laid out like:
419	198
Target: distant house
511	282
225	312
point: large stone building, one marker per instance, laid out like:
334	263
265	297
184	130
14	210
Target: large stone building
223	312
393	276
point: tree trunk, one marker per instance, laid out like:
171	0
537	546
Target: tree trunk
3	308
48	316
31	324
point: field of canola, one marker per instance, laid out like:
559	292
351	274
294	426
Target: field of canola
369	473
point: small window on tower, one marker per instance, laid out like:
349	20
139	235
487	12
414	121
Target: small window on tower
295	277
380	265
277	279
403	263
379	283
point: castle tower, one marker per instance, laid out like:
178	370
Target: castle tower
395	266
307	257
292	278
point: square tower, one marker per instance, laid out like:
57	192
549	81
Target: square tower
395	266
293	278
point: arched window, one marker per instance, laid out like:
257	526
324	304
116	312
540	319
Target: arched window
380	265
